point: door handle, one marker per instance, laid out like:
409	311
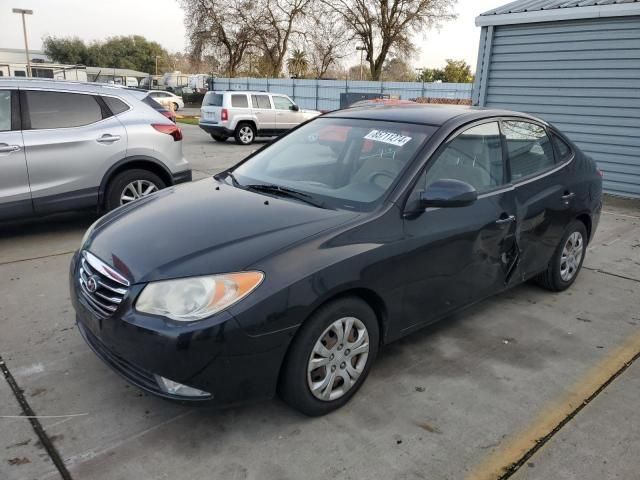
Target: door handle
568	196
4	148
106	138
505	220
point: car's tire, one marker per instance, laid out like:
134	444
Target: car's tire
565	265
129	184
176	107
219	138
296	380
245	133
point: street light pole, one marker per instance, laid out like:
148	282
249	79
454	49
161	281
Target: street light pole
362	49
157	57
24	30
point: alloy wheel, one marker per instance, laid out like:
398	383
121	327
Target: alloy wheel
246	134
137	189
338	359
571	256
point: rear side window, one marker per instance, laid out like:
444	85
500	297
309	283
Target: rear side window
212	99
564	150
5	110
529	147
239	101
61	110
115	105
152	103
261	101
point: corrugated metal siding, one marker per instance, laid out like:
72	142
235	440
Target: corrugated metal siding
520	6
583	76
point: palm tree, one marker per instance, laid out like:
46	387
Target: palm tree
298	64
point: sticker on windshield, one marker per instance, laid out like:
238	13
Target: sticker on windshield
387	137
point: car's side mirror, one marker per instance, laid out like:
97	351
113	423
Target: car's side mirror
294	107
447	193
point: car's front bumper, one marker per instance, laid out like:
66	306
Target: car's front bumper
214	355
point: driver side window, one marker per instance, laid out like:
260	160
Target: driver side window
474	156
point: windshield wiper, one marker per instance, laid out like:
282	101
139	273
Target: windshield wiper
229	174
286	192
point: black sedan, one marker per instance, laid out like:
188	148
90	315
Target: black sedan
289	271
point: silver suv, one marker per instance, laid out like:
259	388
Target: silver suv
247	115
69	146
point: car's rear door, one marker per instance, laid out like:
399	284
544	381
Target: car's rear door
264	112
542	192
15	196
456	256
70	139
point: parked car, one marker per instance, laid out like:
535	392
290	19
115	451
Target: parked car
289	271
144	96
68	146
247	115
167	99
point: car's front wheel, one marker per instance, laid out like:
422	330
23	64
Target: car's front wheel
131	185
245	134
567	259
331	356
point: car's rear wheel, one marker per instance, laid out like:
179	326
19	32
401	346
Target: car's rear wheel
567	259
245	133
331	357
219	138
131	185
175	107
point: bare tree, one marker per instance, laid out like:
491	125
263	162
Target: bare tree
386	26
216	26
326	37
273	24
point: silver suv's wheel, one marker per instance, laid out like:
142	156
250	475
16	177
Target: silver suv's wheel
330	357
245	134
131	185
137	189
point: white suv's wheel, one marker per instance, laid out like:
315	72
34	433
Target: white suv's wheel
245	133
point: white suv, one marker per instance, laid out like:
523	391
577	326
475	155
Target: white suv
247	115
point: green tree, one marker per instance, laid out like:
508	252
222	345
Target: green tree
431	75
71	51
297	64
397	70
134	52
457	71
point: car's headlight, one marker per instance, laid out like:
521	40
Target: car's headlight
195	298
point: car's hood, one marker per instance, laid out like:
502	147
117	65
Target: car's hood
202	228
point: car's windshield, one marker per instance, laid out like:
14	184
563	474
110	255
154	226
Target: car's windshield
345	163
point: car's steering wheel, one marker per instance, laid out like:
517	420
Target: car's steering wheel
380	173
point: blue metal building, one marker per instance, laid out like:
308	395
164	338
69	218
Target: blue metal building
575	64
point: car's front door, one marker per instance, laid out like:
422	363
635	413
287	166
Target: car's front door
456	256
15	197
286	118
264	112
70	143
543	194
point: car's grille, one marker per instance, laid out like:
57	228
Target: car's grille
100	285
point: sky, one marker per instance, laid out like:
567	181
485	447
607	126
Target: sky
162	21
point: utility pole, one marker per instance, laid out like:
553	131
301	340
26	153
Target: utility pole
157	57
362	50
24	29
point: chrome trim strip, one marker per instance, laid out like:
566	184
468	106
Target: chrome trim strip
105	269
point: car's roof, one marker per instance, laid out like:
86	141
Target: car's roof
44	83
427	114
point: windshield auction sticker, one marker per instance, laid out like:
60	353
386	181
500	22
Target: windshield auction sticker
387	137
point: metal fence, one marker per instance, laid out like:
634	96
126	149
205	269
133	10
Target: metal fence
325	94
